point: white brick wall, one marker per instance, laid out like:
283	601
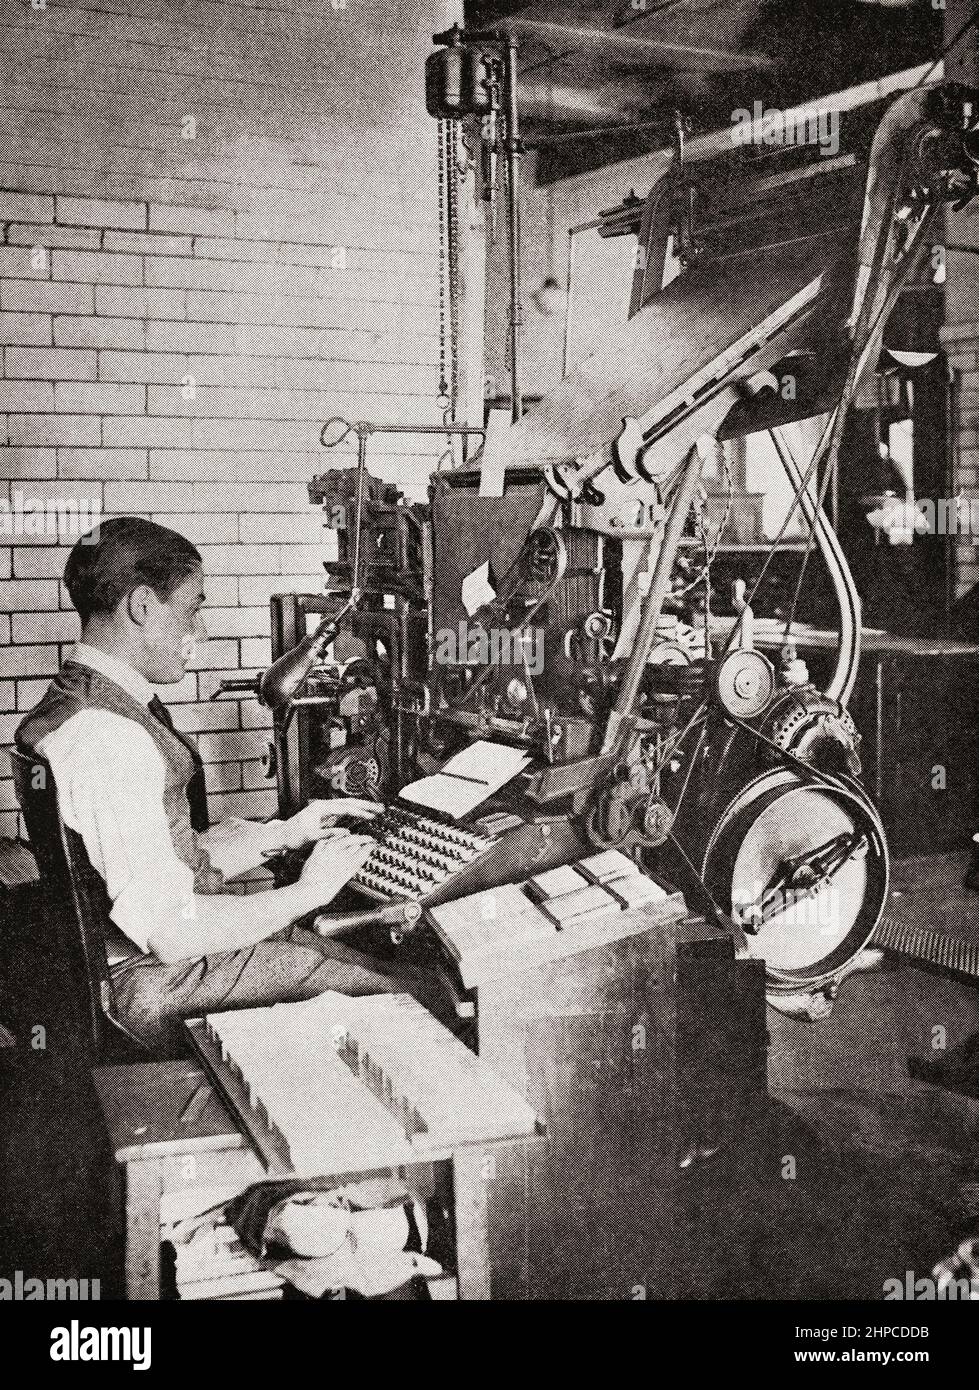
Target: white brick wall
961	342
178	316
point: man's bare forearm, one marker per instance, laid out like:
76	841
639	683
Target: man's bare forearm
237	847
211	924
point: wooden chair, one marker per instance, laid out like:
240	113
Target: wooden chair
77	911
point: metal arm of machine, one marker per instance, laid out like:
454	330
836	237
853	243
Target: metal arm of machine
841	683
621	716
279	684
400	915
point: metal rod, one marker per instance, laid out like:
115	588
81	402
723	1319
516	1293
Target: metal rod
567	302
707	59
653	607
368	427
359	511
594	132
513	152
879	730
952	389
587	226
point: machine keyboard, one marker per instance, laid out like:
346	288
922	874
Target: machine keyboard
416	854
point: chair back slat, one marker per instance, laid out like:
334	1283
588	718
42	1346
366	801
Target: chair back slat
76	893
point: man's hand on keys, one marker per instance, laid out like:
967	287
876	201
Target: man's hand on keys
316	820
334	861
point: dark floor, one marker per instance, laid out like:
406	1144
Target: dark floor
905	1154
856	1175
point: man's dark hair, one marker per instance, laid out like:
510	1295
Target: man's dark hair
120	555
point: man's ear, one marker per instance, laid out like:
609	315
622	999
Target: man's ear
138	604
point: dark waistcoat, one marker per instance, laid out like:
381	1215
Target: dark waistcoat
78	687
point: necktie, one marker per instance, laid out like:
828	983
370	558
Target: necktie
159	711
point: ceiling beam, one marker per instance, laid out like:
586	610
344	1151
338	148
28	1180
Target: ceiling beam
660	52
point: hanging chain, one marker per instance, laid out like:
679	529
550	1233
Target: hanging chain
449	275
443	385
452	208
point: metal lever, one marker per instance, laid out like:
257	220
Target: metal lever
239	685
281	683
394	915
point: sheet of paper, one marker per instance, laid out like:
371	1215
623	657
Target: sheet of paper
476	589
445	794
467	779
496	450
492	763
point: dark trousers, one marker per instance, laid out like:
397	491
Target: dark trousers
152	999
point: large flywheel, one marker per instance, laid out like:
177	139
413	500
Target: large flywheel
801	864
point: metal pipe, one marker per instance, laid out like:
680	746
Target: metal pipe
368	427
385	915
359	508
952	389
513	153
567	301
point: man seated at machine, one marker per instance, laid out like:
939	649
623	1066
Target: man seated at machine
184	946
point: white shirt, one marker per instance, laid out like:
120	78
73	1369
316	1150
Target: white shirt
110	779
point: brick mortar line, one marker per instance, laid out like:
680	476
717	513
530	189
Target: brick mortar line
383	206
194	237
272	82
194	289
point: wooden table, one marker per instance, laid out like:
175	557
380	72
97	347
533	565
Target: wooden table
172	1136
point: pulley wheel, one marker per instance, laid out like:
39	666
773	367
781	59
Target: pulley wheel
657	822
768	841
745	683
